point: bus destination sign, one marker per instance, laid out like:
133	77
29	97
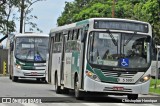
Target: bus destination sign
121	25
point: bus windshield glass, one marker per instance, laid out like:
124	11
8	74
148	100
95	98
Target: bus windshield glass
31	48
127	50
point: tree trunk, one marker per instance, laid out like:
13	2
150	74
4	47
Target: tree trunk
22	17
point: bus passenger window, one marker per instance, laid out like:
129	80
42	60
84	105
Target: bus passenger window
70	35
75	34
79	34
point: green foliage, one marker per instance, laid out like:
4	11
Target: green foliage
96	10
143	10
149	11
7	24
152	86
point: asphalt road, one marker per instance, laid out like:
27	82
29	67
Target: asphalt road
31	91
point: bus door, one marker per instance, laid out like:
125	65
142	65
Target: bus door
83	37
68	46
49	58
63	60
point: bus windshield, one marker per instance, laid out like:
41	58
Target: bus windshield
33	49
119	49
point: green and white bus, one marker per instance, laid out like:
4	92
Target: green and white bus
107	55
27	56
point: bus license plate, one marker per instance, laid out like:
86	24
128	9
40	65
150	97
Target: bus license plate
33	73
118	88
126	80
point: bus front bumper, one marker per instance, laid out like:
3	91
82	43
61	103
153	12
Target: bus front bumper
91	85
30	73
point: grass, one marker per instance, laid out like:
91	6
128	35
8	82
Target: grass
152	86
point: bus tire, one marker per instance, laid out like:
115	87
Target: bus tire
14	78
57	88
44	79
38	79
132	96
78	93
66	91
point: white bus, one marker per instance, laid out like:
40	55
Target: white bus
27	56
107	55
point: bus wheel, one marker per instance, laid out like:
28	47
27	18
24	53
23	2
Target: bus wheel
57	88
38	79
132	96
14	78
78	94
66	91
44	79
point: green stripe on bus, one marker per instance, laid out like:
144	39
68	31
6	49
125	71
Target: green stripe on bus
103	78
27	67
84	22
89	68
74	65
24	63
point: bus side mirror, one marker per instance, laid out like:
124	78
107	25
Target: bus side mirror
149	39
84	36
156	40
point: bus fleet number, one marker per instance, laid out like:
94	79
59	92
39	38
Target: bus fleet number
128	80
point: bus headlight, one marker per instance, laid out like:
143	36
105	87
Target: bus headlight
92	75
145	78
18	66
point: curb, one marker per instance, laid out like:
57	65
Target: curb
155	94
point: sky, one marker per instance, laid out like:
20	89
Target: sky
47	12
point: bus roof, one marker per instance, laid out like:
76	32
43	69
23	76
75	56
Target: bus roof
31	34
87	21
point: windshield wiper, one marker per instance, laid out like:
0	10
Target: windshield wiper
129	39
113	39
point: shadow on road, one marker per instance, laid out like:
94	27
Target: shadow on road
87	98
30	81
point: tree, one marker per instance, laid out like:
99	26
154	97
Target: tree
7	25
143	10
81	9
25	19
149	11
2	2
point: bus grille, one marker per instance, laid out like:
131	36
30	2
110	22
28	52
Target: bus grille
119	74
33	75
34	68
